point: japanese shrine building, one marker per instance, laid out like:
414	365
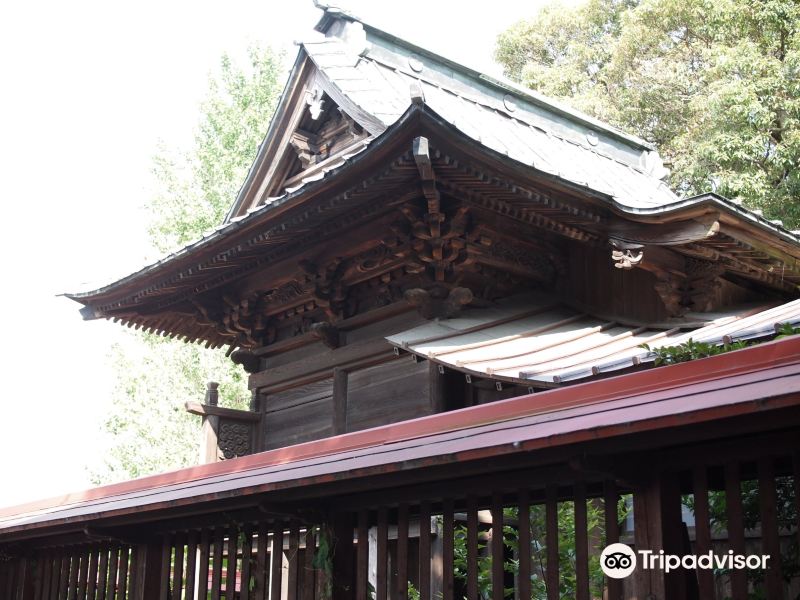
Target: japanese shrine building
440	284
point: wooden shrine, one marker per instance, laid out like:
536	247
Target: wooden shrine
440	284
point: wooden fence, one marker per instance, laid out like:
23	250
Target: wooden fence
519	534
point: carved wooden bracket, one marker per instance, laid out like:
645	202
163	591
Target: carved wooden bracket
328	291
249	361
326	333
439	302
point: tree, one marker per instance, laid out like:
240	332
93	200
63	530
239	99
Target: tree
148	429
714	84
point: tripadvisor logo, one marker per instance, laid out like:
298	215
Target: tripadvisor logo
619	560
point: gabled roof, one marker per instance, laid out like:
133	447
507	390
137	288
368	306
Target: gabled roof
489	137
372	75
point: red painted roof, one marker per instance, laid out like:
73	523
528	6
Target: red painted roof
752	380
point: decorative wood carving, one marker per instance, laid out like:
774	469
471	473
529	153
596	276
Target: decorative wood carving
338	131
326	333
315	100
670	288
625	255
249	361
234	439
439	302
430	243
327	288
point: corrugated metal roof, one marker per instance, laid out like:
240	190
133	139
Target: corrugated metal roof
379	80
753	380
533	338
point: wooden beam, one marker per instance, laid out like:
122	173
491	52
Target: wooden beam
205	410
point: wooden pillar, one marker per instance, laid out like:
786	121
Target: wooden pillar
339	401
344	563
658	526
209	450
147	576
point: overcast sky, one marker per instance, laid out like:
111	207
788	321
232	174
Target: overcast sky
89	88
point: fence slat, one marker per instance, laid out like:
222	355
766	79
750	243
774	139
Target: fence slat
524	546
277	561
122	573
166	560
362	555
309	573
402	551
551	542
425	551
733	497
472	548
230	571
74	569
43	589
702	528
247	559
610	502
136	553
55	576
91	584
102	572
497	547
261	563
191	564
113	569
202	567
448	549
216	567
177	577
294	549
770	535
382	553
581	544
83	575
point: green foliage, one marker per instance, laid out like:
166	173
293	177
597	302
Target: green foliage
786	514
714	84
149	429
784	330
199	186
689	350
566	550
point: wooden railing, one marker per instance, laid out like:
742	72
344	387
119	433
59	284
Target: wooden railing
525	533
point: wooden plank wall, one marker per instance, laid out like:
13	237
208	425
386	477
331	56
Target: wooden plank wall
350	399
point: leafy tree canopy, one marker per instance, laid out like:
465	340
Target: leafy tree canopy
715	84
148	429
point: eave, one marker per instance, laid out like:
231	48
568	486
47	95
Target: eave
237	247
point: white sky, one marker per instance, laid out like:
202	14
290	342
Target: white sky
88	88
